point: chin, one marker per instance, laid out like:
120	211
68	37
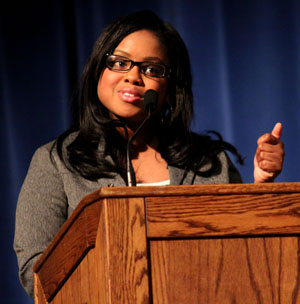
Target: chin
133	119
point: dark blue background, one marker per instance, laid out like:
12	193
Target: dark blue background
246	66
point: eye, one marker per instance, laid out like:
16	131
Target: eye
154	69
118	63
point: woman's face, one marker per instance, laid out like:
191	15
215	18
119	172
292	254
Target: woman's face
122	93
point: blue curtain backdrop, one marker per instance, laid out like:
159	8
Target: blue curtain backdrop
246	65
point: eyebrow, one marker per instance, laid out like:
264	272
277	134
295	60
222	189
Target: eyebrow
153	58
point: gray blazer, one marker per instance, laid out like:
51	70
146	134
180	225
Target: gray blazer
51	192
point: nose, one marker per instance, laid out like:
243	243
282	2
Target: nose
134	76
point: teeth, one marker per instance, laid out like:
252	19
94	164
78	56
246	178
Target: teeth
128	94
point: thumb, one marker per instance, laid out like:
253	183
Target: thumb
277	130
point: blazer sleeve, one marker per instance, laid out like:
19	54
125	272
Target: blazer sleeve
41	211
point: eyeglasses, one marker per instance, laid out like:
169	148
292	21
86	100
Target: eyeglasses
148	68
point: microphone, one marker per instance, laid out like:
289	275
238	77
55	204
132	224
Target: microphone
150	102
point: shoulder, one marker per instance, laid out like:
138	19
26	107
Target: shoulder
215	160
229	169
219	171
45	163
47	155
225	171
41	158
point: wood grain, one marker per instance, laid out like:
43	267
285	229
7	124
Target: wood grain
122	251
100	253
87	208
67	249
210	271
196	190
80	287
209	215
102	259
39	296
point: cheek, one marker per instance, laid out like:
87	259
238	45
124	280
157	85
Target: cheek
107	82
162	90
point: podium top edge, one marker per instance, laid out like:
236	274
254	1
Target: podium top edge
191	190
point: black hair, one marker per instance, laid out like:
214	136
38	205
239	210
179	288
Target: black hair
99	150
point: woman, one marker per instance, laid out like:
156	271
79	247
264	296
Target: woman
134	54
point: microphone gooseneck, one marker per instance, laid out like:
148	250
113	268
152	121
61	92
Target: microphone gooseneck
150	102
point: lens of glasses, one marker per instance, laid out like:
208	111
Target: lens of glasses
118	63
151	69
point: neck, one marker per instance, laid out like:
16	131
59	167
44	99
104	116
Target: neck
145	135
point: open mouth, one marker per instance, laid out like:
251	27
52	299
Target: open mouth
129	96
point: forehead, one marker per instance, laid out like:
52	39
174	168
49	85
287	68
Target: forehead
141	44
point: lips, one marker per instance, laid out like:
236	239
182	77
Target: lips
130	95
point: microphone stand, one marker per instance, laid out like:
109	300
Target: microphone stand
150	100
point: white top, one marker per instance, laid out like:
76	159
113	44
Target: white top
162	183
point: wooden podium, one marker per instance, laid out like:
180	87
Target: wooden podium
177	244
